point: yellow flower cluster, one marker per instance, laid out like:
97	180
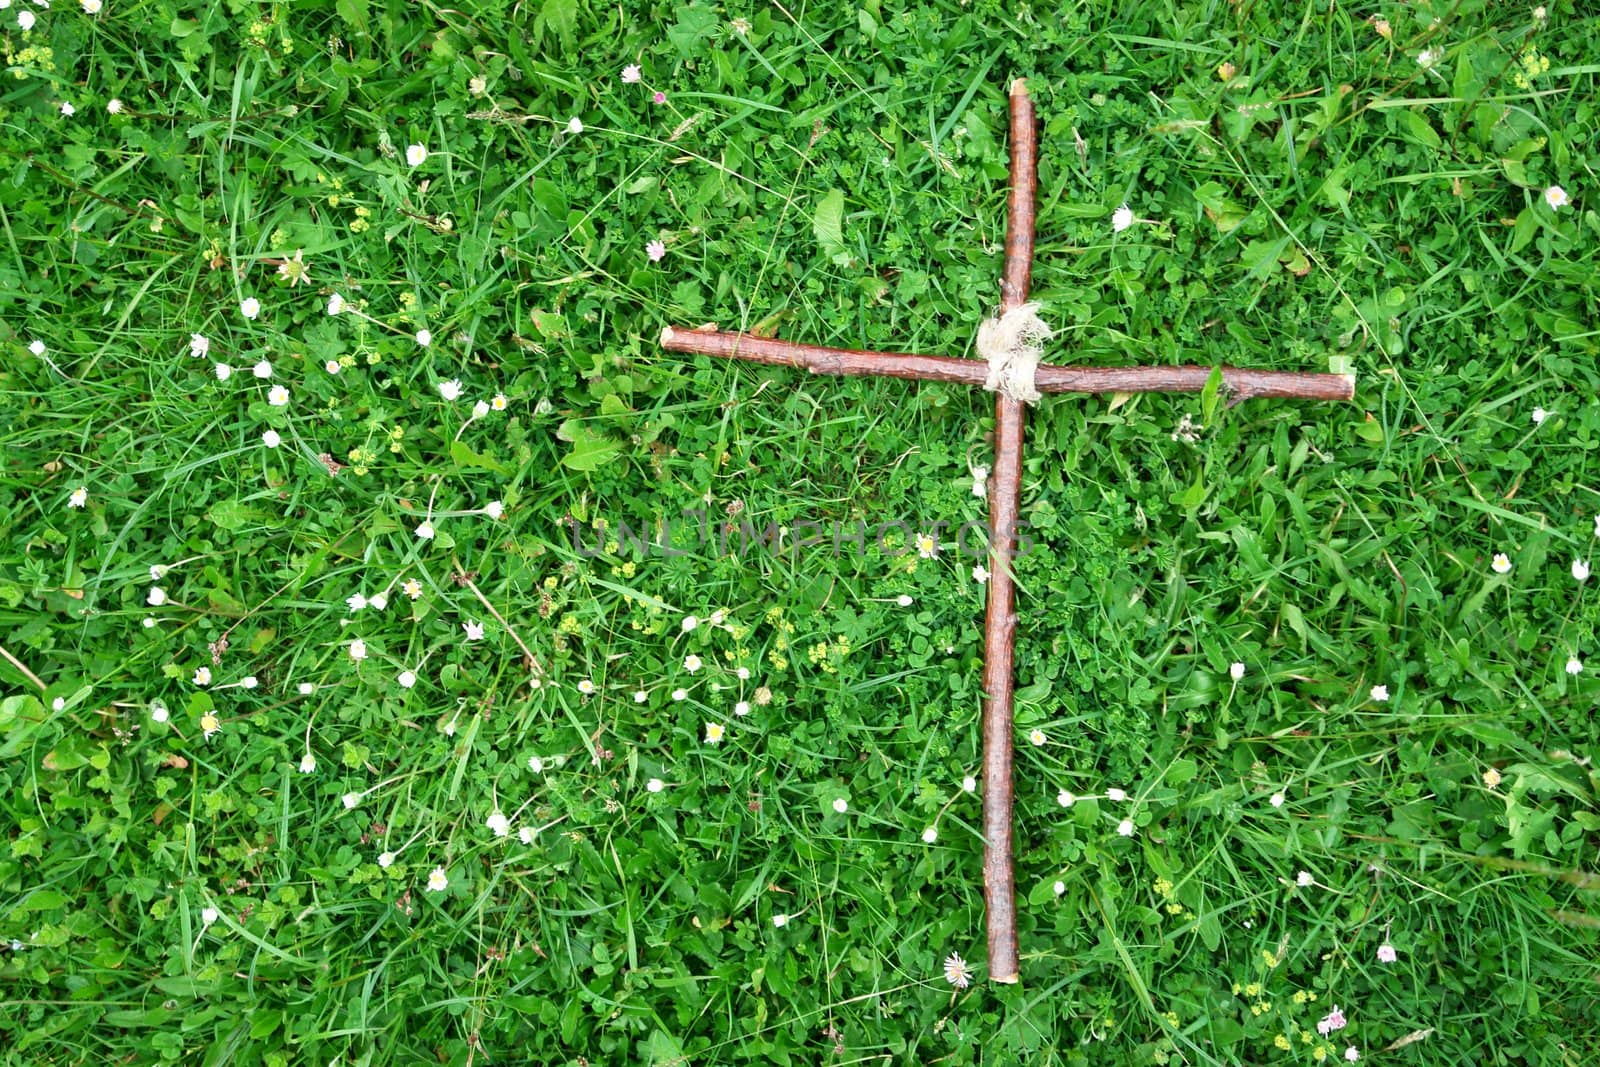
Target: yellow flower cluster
32	56
1531	65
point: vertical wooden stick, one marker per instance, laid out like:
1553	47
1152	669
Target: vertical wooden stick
1000	618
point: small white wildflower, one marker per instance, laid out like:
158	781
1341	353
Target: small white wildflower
494	509
743	674
262	369
1116	794
356	601
969	784
1125	827
1036	736
199	345
249	681
655	785
450	389
980	573
425	338
114	105
1277	800
930	835
358	650
438	881
640	696
1428	57
351	801
1539	415
473	629
480	409
386	859
305	689
526	835
202	676
1380	693
742	708
904	600
498	823
680	694
250	307
67	109
1574	665
586	687
1501	564
780	920
37	347
1304	878
691	663
407	679
222	371
332	366
80	497
1556	197
1580	570
957	972
308	764
477	85
209	915
1059	888
1066	798
156	597
690	622
278	396
841	805
574	125
158	711
1121	218
335	304
425	531
416	155
25	20
271	439
1236	671
377	602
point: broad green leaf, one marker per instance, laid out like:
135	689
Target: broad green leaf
827	222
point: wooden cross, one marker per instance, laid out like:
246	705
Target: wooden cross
1000	620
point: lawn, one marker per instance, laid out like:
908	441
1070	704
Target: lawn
403	659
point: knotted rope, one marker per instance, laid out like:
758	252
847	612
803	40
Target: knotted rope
1012	345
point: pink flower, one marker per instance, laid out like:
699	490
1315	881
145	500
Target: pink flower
1386	953
630	74
655	250
1332	1021
660	97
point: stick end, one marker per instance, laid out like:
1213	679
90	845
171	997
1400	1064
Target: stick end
666	336
1349	386
1019	87
1006	979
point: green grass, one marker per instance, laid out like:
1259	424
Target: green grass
1309	197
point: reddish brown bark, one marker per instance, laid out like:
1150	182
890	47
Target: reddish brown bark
1238	383
1000	617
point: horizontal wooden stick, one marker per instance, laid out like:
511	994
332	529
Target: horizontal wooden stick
1239	383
